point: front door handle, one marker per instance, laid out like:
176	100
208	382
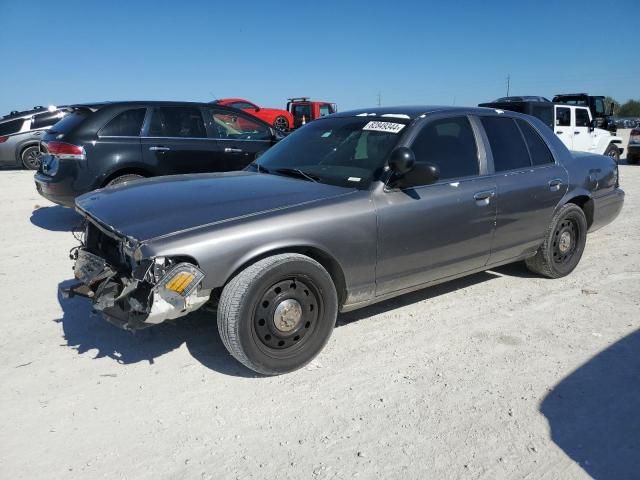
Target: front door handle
555	184
484	198
159	149
559	132
232	150
576	132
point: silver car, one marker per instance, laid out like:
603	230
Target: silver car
20	134
351	209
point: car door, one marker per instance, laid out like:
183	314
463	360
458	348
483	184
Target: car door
582	138
240	137
430	232
530	184
175	141
563	126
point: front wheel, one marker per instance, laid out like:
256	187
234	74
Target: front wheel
276	315
613	152
31	158
563	245
281	123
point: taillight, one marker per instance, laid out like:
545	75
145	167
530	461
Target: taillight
65	150
3	139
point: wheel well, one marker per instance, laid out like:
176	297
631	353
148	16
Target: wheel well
24	147
127	171
328	262
586	204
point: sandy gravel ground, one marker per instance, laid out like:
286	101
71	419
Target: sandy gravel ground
497	376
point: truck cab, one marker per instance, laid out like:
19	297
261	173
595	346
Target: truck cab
595	104
574	125
304	110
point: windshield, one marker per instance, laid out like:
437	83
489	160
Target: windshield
346	152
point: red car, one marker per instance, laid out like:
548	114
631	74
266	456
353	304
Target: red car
280	119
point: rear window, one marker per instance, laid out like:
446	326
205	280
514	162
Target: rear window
125	124
507	145
13	126
71	121
44	120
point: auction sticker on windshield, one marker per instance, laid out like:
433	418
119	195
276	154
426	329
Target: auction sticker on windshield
384	127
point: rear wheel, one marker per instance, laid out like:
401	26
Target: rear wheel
281	123
124	179
563	245
278	314
30	157
613	152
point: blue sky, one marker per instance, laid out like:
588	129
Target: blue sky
441	52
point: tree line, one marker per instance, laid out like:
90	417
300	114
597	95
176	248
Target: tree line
630	108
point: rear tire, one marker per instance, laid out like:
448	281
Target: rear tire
276	315
124	179
281	123
30	157
563	245
613	152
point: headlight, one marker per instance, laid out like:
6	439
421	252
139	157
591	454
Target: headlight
181	279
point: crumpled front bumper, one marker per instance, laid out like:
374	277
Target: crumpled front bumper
142	298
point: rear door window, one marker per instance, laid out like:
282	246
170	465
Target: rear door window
507	145
450	144
177	122
11	127
325	110
563	117
125	124
538	150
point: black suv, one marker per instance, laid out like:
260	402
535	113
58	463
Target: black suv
103	144
20	134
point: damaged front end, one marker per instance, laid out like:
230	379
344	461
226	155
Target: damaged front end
132	293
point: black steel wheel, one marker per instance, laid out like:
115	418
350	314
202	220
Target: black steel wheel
281	123
31	157
277	314
563	244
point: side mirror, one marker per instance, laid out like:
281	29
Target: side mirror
408	173
257	109
611	109
402	161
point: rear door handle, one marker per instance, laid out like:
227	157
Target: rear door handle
576	132
484	198
233	150
555	184
559	132
159	149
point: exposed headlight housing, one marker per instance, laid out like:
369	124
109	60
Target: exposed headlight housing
181	279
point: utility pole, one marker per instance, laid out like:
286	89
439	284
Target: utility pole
379	99
508	84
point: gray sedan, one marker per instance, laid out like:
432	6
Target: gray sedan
349	210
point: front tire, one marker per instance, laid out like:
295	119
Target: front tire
281	123
563	244
276	315
30	157
613	152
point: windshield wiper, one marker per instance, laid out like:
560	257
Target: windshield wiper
296	172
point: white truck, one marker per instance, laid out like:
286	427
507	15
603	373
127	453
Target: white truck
573	124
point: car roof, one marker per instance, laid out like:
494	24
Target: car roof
27	113
99	105
409	111
230	100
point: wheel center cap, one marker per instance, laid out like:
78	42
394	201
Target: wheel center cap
287	315
565	242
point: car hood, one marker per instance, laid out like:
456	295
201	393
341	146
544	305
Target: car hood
150	208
